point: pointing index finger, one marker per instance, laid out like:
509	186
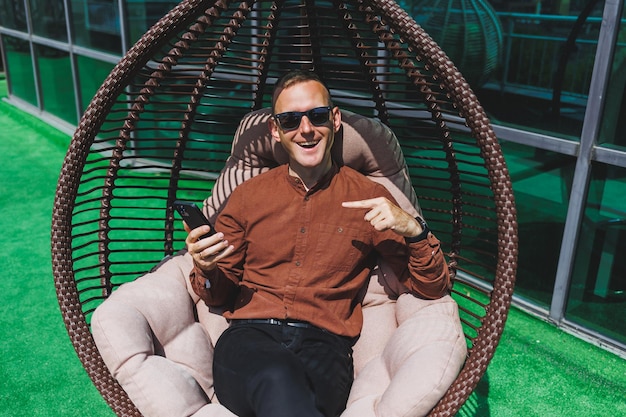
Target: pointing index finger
359	204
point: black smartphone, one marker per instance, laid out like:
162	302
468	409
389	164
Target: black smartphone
193	216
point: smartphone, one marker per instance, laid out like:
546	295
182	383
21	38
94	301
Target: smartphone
193	216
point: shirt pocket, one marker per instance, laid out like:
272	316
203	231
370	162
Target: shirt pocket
339	248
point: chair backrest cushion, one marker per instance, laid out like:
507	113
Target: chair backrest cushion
362	143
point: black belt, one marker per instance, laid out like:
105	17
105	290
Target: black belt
291	323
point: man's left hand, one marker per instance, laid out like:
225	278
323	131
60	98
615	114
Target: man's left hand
383	215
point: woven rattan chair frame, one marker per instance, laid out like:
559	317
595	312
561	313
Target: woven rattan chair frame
160	127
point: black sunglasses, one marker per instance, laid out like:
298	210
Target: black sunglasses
290	120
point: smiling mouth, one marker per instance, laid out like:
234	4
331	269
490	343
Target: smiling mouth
308	145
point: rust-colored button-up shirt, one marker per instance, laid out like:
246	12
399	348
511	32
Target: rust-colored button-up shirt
300	255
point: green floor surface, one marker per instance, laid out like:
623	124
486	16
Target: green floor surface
40	374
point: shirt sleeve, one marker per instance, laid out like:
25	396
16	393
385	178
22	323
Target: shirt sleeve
214	289
420	266
428	274
220	286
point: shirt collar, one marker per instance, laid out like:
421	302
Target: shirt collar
323	183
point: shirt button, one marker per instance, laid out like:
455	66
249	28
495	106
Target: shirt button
303	230
340	229
297	263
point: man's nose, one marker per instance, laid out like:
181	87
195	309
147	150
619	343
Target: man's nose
305	124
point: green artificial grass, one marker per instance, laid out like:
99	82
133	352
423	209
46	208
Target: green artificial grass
40	374
538	370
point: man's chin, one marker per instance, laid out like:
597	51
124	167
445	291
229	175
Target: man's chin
312	163
309	159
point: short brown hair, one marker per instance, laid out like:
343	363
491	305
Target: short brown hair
296	77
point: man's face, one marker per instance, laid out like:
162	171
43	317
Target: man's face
308	144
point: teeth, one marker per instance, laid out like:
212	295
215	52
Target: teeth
309	144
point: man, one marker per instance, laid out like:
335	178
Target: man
294	249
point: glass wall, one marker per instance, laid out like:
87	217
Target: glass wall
91	73
597	297
143	14
544	97
542	182
544	85
613	122
19	64
48	19
551	74
96	25
545	52
13	15
55	72
43	65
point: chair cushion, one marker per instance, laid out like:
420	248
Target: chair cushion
420	360
151	342
409	352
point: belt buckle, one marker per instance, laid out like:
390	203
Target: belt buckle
298	324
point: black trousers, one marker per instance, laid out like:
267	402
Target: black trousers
276	370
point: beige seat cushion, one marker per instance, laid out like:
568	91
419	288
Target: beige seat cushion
409	352
151	342
419	361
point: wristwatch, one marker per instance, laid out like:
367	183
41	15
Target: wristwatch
421	236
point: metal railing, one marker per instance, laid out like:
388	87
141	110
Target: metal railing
535	45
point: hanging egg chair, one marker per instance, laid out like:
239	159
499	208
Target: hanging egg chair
161	127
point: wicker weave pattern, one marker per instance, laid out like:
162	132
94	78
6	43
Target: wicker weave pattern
160	127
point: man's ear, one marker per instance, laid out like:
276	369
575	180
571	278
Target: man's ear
273	126
336	119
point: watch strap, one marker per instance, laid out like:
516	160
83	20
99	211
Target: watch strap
421	236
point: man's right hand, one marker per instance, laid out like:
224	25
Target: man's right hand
207	252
